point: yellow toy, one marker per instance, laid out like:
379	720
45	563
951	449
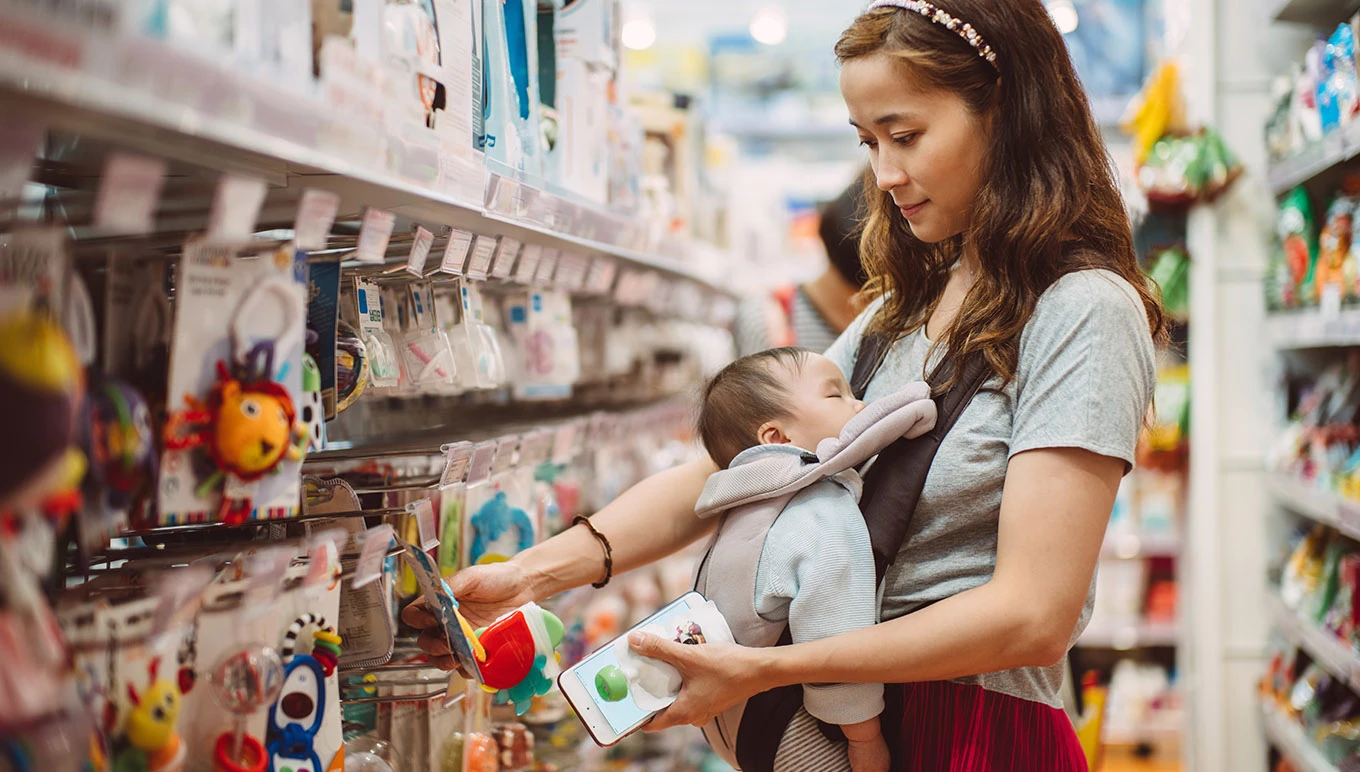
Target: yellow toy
1157	111
155	714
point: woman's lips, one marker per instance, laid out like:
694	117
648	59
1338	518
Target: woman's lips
913	210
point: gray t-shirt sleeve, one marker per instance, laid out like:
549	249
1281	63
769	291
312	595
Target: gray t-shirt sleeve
816	572
846	348
1086	369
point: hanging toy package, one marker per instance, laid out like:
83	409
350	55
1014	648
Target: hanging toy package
1298	241
379	351
475	345
234	444
1334	272
496	528
428	355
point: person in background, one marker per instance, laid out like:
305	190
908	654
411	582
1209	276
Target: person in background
814	314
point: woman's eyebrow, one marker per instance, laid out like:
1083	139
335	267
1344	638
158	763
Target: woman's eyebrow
884	120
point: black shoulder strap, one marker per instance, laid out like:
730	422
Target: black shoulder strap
873	349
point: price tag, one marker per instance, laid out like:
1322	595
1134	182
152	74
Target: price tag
480	263
600	280
369	567
128	194
504	264
316	215
547	267
1330	301
236	207
483	457
456	253
374	234
535	448
571	271
456	459
323	562
529	259
564	443
505	454
18	146
425	525
625	290
420	250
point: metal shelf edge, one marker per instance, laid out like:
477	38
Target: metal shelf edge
1290	740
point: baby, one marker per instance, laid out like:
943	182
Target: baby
816	568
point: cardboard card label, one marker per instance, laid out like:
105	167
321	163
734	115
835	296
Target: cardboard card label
600	279
547	267
504	263
456	252
505	454
420	250
425	524
236	207
315	216
483	458
528	263
564	443
535	448
441	603
571	271
374	234
369	567
480	261
129	192
456	459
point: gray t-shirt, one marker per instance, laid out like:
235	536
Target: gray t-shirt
1084	379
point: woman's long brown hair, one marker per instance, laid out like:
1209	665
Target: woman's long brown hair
1049	203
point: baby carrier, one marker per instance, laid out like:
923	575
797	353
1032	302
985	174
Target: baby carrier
903	430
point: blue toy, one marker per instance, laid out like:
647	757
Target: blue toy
295	717
491	522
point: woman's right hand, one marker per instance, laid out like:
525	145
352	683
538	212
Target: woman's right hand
484	594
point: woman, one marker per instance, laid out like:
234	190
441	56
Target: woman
996	230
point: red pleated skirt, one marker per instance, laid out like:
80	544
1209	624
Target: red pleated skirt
949	727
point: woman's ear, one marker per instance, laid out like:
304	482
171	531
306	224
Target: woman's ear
771	434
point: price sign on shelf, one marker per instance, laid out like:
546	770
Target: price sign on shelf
480	262
504	262
547	267
420	251
564	443
600	280
456	252
425	524
236	207
316	214
128	193
529	259
483	460
372	554
457	456
374	234
505	453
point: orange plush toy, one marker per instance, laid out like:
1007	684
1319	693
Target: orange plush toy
248	427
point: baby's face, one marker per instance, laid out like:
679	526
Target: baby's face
821	403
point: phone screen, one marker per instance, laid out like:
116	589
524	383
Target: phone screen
625	714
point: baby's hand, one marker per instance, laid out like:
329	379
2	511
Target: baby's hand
868	749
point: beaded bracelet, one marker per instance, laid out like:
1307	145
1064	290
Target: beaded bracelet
608	549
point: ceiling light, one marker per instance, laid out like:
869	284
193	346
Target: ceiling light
639	34
770	25
1064	15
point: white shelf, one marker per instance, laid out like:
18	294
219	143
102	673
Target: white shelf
1289	739
1131	546
1317	13
1313	329
1330	652
1125	636
1316	504
132	93
1336	148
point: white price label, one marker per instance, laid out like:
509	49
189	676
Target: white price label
571	271
236	207
374	234
456	252
316	214
420	250
483	458
600	280
480	262
505	453
564	443
1330	302
425	524
456	459
370	565
506	252
547	267
129	192
528	263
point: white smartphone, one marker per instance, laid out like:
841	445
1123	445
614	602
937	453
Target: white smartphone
615	692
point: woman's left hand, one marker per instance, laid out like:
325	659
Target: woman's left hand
716	676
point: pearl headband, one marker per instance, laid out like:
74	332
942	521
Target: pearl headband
941	17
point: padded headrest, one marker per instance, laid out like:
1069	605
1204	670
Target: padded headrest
908	412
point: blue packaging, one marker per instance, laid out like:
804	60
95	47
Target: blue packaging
510	74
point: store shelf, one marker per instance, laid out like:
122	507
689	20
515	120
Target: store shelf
135	94
1326	649
1132	546
1337	148
1289	739
1124	636
1159	729
1318	13
1313	329
1316	504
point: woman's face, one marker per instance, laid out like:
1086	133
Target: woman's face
926	148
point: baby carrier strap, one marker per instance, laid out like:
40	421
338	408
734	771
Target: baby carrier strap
892	490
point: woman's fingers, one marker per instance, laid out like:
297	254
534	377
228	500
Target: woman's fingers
433	642
670	652
696	705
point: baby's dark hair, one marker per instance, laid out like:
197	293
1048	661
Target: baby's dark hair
742	397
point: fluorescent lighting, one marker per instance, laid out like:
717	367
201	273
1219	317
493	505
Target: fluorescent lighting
770	25
639	34
1064	15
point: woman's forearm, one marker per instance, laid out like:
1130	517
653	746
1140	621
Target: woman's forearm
978	631
649	521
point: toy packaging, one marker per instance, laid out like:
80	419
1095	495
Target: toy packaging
234	443
510	67
1298	244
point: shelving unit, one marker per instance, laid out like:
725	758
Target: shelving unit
1313	328
1315	504
1124	636
1289	739
1311	12
1336	148
1326	649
